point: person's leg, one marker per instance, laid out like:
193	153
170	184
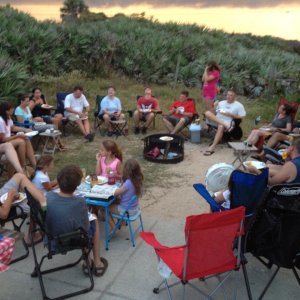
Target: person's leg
30	153
136	118
208	104
12	156
217	138
81	127
20	147
86	125
254	136
276	138
56	120
113	209
149	119
212	117
168	124
96	247
107	123
179	125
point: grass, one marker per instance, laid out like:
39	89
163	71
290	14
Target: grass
83	154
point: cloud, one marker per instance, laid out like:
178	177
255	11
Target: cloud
165	3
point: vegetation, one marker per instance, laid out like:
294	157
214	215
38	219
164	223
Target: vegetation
141	49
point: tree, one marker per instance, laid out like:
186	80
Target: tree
72	10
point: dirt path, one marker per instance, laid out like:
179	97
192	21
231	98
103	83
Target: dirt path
175	196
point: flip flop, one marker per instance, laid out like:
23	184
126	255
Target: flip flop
85	267
208	153
29	244
99	271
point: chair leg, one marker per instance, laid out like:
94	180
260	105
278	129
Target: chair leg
296	274
131	234
246	280
268	284
22	256
141	222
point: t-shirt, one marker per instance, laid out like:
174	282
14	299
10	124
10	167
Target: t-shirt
112	166
127	195
209	89
151	103
6	128
38	111
78	104
235	107
40	178
188	107
282	122
26	115
111	105
66	214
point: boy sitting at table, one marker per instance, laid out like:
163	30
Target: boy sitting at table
67	212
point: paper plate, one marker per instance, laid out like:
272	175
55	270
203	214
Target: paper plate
101	179
46	106
257	164
40	123
217	176
22	197
166	138
265	129
31	133
294	134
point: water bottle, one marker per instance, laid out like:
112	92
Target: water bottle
257	120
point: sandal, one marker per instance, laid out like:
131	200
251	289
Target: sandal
99	271
208	152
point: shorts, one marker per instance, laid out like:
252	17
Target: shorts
12	184
112	118
143	117
47	119
73	117
174	120
132	211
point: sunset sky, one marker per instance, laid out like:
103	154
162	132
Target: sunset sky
261	17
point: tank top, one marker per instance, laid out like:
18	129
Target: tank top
296	162
104	166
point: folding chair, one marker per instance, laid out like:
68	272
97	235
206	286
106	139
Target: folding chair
98	122
60	109
246	190
17	218
208	250
126	217
275	231
130	113
60	244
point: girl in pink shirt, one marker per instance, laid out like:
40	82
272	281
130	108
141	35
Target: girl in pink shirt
109	158
210	79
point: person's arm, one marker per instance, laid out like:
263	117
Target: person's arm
156	108
98	169
287	129
121	190
50	185
32	104
5	207
119	170
206	77
286	172
139	105
86	105
15	128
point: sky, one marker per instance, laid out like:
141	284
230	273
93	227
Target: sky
260	17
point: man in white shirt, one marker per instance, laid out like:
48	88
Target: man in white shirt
226	111
77	109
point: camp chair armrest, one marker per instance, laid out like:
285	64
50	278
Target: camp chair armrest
150	239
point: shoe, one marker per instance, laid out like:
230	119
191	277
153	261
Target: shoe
208	152
144	130
109	133
136	130
91	137
99	271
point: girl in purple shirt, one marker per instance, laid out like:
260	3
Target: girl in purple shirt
132	185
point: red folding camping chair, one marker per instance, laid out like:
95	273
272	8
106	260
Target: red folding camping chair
213	246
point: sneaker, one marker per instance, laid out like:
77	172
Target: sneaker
109	133
91	137
136	130
144	130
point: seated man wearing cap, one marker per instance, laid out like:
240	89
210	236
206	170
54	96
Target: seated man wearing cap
180	114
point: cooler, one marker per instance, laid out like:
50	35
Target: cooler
195	130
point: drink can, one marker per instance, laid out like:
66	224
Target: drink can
285	155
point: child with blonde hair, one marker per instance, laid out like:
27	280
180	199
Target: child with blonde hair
109	158
41	179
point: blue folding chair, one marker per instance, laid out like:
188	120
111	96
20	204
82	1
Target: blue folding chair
246	190
126	217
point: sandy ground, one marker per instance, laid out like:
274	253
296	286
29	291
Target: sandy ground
176	197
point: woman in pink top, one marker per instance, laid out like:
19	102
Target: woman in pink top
109	158
210	79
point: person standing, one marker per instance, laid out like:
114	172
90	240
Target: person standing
210	79
77	109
